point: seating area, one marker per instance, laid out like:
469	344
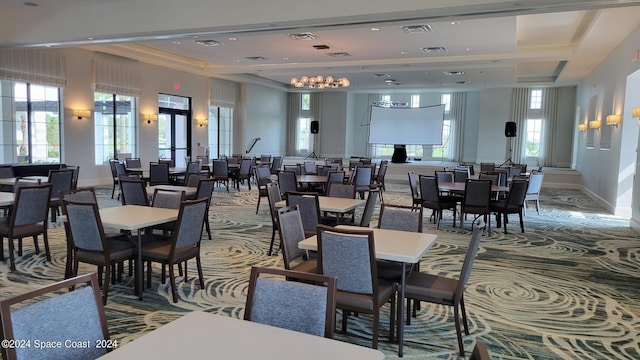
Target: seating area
239	237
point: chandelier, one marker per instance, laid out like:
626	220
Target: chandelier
318	82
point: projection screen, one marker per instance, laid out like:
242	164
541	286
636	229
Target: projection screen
408	126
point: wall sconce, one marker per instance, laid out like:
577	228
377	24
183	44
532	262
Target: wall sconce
202	122
635	112
614	120
81	113
582	127
150	117
595	124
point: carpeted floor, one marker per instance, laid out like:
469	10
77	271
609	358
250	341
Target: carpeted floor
566	289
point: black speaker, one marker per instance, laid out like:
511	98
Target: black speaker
509	129
315	127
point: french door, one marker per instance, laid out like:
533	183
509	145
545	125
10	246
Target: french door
174	135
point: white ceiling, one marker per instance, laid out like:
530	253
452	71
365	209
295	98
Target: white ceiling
498	43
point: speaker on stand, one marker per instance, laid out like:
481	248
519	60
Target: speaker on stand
510	131
315	128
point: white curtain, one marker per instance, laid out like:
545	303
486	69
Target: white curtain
223	94
294	102
519	111
457	117
117	78
549	125
40	66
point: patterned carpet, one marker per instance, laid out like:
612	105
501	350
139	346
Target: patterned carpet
566	289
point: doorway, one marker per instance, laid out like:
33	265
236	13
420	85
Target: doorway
174	129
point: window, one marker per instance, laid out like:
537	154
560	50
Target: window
305	102
536	100
444	150
115	126
303	145
415	101
533	132
220	131
31	118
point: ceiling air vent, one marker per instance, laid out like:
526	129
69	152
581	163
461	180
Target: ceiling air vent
339	54
303	36
381	75
409	29
208	42
454	72
435	50
256	58
320	47
463	82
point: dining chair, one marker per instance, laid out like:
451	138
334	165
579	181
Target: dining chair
533	190
362	178
487	167
413	185
76	175
28	217
53	313
431	198
244	173
183	245
480	352
117	169
369	207
194	179
220	172
287	182
6	172
274	195
477	200
263	177
292	300
88	195
60	180
382	172
133	192
349	256
442	290
91	245
159	174
276	164
205	190
401	218
310	168
133	163
167	199
513	204
309	206
291	233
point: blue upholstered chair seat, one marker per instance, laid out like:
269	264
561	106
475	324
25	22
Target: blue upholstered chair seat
427	286
118	250
159	251
20	231
358	302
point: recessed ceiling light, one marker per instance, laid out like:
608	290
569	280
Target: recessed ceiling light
381	75
236	60
455	23
375	29
208	42
435	49
303	36
416	28
463	82
232	39
389	81
89	38
404	52
469	49
454	72
176	42
285	59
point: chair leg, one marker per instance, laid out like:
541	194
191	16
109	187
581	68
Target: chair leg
199	265
105	287
345	315
538	206
208	227
463	311
505	222
458	332
12	258
392	318
172	279
376	329
149	274
20	248
45	239
521	221
259	197
273	239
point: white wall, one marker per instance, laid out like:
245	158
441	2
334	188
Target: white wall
332	125
608	175
265	116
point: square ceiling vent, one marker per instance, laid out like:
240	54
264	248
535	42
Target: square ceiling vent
410	29
435	50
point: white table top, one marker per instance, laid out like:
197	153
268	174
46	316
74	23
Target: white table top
204	335
188	190
332	204
6	198
12	181
133	217
393	245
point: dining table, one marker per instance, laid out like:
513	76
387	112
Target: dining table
12	180
332	204
6	198
188	190
198	335
311	179
136	218
404	247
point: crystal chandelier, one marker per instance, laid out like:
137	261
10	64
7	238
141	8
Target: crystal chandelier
318	82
